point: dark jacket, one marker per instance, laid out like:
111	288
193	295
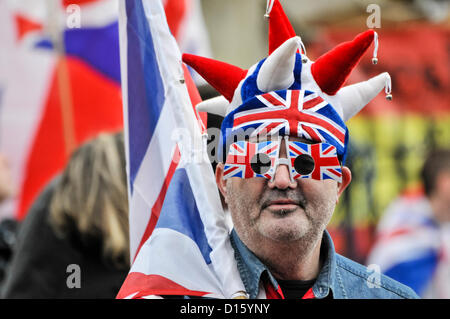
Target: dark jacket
40	264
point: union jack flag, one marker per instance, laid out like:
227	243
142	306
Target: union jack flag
240	155
179	238
326	162
292	112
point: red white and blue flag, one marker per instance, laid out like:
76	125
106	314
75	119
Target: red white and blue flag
72	88
178	231
55	97
241	154
291	112
326	162
298	112
185	20
412	248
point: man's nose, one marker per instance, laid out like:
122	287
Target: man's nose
282	178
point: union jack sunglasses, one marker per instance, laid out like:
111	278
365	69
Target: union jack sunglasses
317	161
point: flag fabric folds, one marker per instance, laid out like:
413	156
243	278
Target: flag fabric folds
61	88
410	246
179	242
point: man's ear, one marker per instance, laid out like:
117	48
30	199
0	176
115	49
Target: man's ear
221	183
346	179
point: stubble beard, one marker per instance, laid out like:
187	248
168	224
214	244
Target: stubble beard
256	233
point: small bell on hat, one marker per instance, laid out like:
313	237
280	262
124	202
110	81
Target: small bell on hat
355	97
328	73
332	69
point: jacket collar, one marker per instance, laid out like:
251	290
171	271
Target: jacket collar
252	269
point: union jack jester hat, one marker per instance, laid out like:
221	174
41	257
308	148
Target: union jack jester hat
287	93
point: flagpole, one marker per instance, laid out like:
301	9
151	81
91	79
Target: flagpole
62	76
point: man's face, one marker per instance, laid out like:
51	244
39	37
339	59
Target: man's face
280	210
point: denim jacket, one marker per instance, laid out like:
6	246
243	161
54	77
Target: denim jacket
339	278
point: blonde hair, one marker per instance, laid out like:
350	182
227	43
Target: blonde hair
92	196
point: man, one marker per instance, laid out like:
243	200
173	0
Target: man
283	147
282	222
414	233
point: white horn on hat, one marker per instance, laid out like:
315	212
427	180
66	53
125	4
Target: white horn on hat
277	72
355	97
217	105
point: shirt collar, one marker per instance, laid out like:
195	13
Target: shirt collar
252	269
326	278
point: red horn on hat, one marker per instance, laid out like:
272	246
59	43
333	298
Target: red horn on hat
332	69
222	76
280	29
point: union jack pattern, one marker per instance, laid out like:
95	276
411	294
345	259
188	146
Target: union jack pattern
238	162
292	112
325	157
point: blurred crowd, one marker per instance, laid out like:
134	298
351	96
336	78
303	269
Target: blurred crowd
81	219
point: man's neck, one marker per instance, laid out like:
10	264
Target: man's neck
294	261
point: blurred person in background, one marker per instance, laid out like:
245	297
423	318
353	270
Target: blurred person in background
413	236
8	226
74	241
8	235
7	188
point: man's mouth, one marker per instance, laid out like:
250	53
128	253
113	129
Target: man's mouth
282	205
